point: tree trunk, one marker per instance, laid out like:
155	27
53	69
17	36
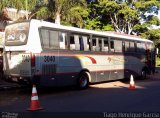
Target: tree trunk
58	19
129	28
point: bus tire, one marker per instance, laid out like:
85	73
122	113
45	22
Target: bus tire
143	73
83	80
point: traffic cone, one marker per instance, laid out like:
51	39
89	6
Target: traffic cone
34	100
132	85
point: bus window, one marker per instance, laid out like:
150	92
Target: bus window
72	43
139	47
118	45
94	44
105	45
81	43
63	40
45	38
49	39
53	40
77	42
132	47
123	46
86	43
97	44
150	46
143	47
126	46
112	45
17	34
99	48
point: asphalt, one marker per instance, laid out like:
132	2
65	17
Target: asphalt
156	75
8	85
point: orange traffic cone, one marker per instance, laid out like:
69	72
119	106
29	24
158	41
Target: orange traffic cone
34	100
132	85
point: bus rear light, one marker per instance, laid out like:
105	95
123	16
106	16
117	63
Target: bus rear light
33	60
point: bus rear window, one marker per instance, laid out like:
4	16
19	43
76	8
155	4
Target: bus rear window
16	34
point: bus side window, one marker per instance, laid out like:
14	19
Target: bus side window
63	40
86	43
53	40
94	44
123	46
118	45
72	43
81	43
77	42
139	47
105	45
44	38
126	46
143	47
112	45
97	44
132	47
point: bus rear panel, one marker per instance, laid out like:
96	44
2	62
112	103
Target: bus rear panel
17	62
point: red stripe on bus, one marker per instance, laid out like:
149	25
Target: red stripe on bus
92	59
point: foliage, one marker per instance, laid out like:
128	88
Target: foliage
69	11
93	24
121	15
76	16
153	35
28	5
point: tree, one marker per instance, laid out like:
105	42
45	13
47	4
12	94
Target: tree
147	12
3	4
65	10
19	5
122	16
126	16
93	21
153	35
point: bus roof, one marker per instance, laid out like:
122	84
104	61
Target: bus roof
85	31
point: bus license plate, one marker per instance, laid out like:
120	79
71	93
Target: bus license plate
15	79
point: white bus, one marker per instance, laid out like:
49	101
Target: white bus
53	55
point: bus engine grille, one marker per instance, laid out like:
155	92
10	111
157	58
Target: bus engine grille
48	69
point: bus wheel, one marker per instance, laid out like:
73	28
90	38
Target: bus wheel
83	80
143	74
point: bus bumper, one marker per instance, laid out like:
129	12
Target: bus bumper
18	79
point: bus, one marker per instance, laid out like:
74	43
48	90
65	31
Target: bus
52	55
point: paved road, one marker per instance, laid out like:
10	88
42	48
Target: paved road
6	85
97	101
105	97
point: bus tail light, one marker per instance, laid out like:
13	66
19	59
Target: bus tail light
33	60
